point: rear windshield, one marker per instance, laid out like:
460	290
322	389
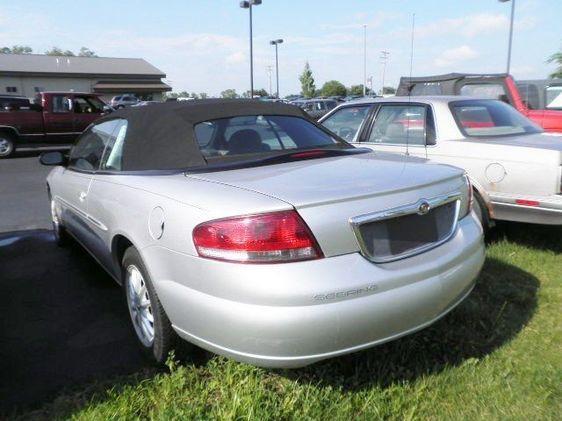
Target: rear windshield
490	118
260	135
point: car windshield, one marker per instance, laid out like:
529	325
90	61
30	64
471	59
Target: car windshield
248	136
490	118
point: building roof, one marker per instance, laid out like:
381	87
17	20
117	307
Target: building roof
102	66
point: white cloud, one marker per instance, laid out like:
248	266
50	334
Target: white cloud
236	58
454	56
471	26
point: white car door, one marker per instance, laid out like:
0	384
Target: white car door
401	128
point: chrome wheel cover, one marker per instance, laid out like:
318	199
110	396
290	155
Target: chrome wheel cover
54	216
5	146
140	308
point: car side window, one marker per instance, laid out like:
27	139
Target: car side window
87	153
553	96
399	125
113	155
61	103
84	105
346	121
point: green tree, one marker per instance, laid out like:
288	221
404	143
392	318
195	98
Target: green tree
56	51
388	90
357	90
557	59
194	95
203	95
229	93
334	88
86	52
257	92
307	82
16	49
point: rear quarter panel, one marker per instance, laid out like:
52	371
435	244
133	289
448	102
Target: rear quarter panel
526	170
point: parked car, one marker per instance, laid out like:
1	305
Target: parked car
514	167
54	120
316	108
122	101
249	230
494	86
14	102
541	94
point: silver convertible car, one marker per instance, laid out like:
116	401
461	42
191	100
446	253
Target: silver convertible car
249	230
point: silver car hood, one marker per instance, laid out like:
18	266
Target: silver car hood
538	141
336	179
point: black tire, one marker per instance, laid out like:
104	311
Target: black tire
7	145
62	238
481	211
164	336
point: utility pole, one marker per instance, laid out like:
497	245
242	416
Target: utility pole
384	58
276	43
510	33
364	60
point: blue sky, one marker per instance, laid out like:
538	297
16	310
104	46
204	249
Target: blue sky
202	45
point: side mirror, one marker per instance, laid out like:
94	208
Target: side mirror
53	158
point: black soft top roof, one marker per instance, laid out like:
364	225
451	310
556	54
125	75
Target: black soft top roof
407	83
162	137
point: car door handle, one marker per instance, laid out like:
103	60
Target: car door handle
83	196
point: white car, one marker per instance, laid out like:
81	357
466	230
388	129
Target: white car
515	168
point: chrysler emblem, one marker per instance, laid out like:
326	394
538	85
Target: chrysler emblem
424	208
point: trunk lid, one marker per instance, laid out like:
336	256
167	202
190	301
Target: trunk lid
327	192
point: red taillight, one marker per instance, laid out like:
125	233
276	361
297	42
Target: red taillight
524	202
268	238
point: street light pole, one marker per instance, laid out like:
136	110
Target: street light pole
248	5
269	71
510	33
276	43
364	60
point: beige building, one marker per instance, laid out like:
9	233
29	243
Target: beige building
27	74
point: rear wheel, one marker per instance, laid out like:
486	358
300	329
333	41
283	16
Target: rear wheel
7	145
150	322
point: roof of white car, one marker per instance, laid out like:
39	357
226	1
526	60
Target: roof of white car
424	99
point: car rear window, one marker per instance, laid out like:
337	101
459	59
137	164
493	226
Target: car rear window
255	135
490	118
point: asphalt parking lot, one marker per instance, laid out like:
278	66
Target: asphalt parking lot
63	322
24	204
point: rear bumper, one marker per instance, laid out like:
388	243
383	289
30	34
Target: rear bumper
348	303
549	210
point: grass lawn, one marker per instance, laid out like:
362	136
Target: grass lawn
497	355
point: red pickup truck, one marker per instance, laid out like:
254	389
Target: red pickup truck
55	119
497	86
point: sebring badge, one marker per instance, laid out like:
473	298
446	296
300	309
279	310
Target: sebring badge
424	208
